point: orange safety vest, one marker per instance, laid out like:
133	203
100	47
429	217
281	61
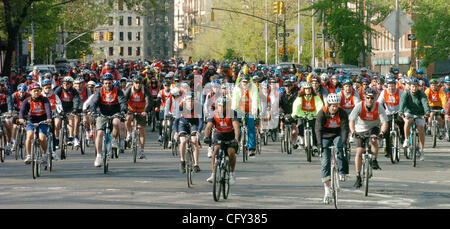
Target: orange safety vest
66	97
392	100
223	125
368	116
310	105
244	103
109	97
37	108
347	103
136	102
3	99
434	98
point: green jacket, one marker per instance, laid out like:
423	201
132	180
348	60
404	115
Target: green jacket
254	98
297	107
414	104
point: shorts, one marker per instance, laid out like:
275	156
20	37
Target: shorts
100	123
226	137
373	131
140	120
419	121
43	128
185	127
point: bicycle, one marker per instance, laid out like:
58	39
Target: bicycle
2	140
135	140
447	130
286	142
166	132
308	138
394	139
189	158
83	140
222	171
258	139
244	140
334	183
435	127
49	152
413	149
107	137
64	136
20	141
36	155
367	158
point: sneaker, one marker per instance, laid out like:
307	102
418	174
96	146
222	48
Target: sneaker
211	178
169	145
405	143
27	159
183	167
55	156
342	177
300	140
351	140
128	137
70	141
196	169
375	165
232	178
327	198
210	152
76	142
441	135
428	131
252	154
142	155
295	146
160	138
98	161
56	143
114	143
13	145
7	148
422	155
358	182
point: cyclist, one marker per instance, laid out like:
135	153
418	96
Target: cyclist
108	100
6	107
437	101
84	94
379	86
17	99
420	76
414	102
139	101
245	102
163	94
348	97
189	124
333	86
56	107
70	100
318	88
307	104
332	129
364	85
227	129
365	119
35	109
390	99
286	102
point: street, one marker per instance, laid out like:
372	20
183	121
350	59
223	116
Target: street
271	180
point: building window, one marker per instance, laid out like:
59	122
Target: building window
121	20
101	36
138	20
121	36
130	51
111	51
138	36
129	20
138	51
129	36
120	4
121	51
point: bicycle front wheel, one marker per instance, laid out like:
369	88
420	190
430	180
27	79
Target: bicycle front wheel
414	149
106	152
434	133
226	178
334	185
217	187
367	176
394	148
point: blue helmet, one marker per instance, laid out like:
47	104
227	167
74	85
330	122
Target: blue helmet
116	83
395	70
414	81
365	80
293	78
99	85
419	71
29	77
22	87
347	81
390	80
108	76
282	89
46	82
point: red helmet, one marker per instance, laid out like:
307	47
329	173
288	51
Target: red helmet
34	86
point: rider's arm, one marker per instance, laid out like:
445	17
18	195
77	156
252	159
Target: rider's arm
122	101
58	104
403	100
344	125
425	104
24	108
297	107
148	100
319	104
76	101
354	116
47	107
95	101
320	120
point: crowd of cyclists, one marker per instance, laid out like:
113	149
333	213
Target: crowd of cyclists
216	99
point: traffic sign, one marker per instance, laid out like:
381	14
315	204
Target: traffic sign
412	37
283	34
405	23
319	35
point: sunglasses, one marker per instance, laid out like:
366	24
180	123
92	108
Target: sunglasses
370	98
107	83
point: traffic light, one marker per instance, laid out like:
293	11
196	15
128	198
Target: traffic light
276	7
282	7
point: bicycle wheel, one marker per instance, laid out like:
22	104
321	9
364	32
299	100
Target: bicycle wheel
2	147
265	138
21	143
394	148
16	147
82	140
217	179
106	150
189	167
35	160
273	135
258	143
414	149
244	148
226	178
283	145
288	142
135	145
63	143
367	176
434	133
334	185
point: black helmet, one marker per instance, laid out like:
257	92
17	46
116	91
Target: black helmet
370	92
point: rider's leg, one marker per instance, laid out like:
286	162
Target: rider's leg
294	133
421	131
141	135
28	141
251	133
43	141
406	127
116	128
76	120
71	125
194	140
232	157
342	163
326	162
58	123
8	128
182	147
99	142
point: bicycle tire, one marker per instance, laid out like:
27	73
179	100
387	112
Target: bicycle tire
217	186
21	145
273	135
414	149
434	133
282	145
258	143
225	179
2	147
106	149
16	147
63	144
448	134
288	142
189	167
265	138
244	148
334	188
393	148
82	140
135	146
367	176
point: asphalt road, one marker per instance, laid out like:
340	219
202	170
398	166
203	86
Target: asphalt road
271	180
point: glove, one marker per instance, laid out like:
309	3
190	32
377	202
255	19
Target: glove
207	141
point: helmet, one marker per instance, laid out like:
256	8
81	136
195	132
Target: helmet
46	82
364	69
108	76
98	85
433	81
306	85
34	86
123	79
380	80
79	80
162	75
324	77
48	74
390	80
175	91
245	78
22	87
314	78
365	80
333	99
256	78
395	70
287	83
137	79
414	81
447	79
68	79
29	77
293	78
334	76
370	92
188	68
347	81
91	83
419	71
116	83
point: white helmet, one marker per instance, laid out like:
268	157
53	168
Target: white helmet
175	91
68	79
324	77
306	85
333	99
